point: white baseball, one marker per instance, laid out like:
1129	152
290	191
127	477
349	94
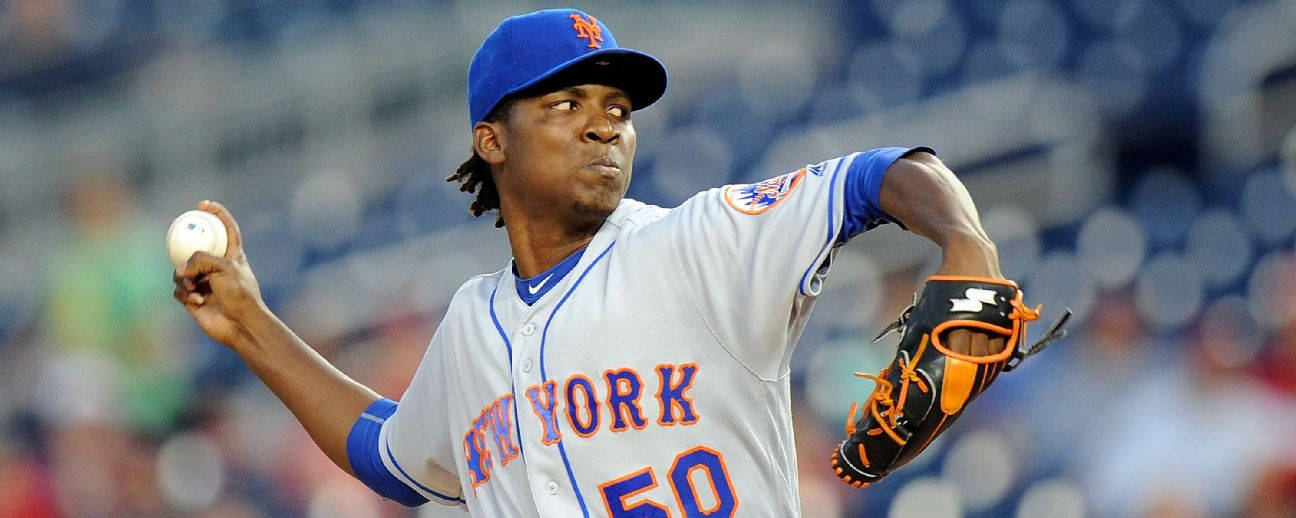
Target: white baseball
195	231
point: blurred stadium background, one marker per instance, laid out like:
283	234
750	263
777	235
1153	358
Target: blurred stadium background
1135	160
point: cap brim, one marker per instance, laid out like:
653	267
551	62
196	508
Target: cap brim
640	75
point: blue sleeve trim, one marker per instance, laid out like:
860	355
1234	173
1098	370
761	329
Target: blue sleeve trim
863	206
366	460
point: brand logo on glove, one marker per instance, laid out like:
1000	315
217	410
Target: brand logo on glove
976	297
588	28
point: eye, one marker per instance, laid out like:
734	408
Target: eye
618	111
564	105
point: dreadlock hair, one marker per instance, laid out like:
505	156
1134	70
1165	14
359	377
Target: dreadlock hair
474	175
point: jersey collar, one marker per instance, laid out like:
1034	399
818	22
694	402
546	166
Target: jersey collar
606	234
530	290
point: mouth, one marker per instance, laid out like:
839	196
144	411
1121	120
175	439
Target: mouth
604	165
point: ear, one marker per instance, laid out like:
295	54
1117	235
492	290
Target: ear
488	142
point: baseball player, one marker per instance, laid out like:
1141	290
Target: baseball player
630	360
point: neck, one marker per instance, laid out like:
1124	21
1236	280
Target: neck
540	243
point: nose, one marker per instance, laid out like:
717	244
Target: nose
601	129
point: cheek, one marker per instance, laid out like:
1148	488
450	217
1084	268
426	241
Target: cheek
631	140
537	156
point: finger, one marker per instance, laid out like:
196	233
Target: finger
200	264
958	341
180	280
979	345
996	345
189	299
234	242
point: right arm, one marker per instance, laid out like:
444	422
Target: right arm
223	297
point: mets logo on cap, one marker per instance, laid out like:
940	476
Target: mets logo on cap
587	28
759	197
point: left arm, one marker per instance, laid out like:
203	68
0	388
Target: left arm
925	196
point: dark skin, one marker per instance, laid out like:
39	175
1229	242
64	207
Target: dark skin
919	191
562	163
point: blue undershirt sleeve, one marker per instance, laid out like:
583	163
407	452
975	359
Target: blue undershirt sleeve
366	459
863	190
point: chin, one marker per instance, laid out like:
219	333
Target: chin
598	209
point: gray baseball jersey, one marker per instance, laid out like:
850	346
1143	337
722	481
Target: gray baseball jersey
649	379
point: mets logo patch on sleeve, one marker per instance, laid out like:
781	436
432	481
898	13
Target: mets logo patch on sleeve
759	197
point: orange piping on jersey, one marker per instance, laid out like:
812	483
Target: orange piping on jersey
551	396
500	421
711	478
631	404
665	380
592	402
474	440
960	376
688	477
603	491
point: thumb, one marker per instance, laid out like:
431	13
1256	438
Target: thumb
234	236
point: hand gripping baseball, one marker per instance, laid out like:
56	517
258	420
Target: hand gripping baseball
219	291
928	384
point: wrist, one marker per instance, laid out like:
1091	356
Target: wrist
256	329
972	255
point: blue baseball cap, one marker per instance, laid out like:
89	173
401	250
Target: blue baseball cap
556	48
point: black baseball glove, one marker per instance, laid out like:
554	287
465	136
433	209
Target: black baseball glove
927	386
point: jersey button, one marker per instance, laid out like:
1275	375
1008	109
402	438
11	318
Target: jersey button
551	487
529	328
526	365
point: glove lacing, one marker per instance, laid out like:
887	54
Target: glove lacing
894	410
889	417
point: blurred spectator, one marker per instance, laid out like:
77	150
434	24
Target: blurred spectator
25	488
36	29
1277	365
1273	495
1188	436
109	318
1138	412
100	470
1065	395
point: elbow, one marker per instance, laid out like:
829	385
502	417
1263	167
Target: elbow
923	159
923	194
